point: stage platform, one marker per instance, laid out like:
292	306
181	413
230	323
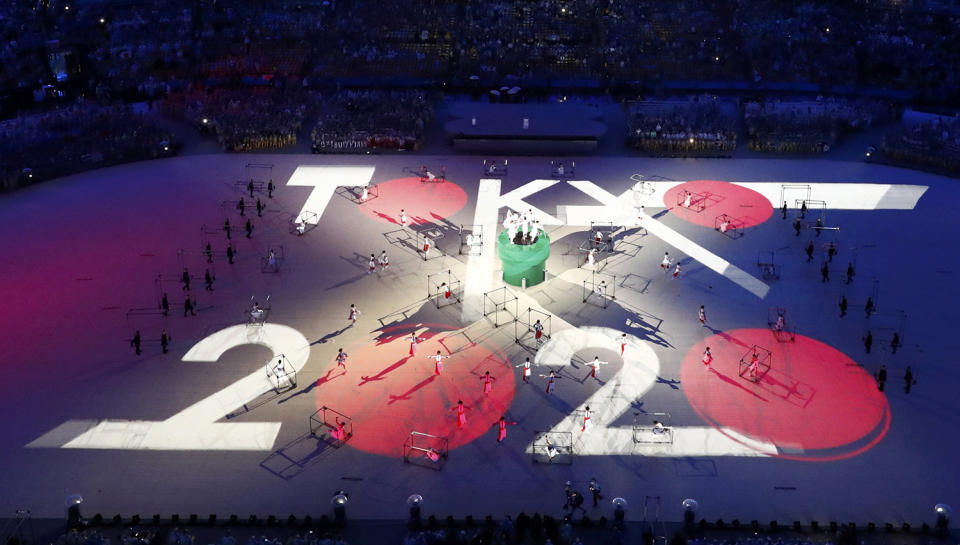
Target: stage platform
204	429
525	129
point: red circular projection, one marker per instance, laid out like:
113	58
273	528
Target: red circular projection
814	403
388	393
709	199
423	202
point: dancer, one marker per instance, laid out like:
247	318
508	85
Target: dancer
754	366
895	342
487	383
438	367
461	414
272	259
342	359
426	247
230	253
364	195
526	369
595	366
188	306
248	228
676	272
384	260
843	306
502	428
240	206
551	382
164	340
270	188
600	289
623	343
340	433
413	343
538	331
208	280
868	308
665	264
354	313
403	218
825	272
185	279
797	226
587	424
445	289
702	314
868	341
908	380
803	209
724	225
260	208
849	272
592	257
208	251
881	377
250	187
783	209
372	265
597	238
779	325
819	226
687	197
135	342
707	357
810	252
226	227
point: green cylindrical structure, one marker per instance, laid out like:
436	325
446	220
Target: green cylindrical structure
521	261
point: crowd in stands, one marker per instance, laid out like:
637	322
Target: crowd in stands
245	119
932	145
359	121
696	127
810	126
538	529
79	137
183	536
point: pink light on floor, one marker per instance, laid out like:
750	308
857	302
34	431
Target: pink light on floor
718	198
815	403
423	202
389	393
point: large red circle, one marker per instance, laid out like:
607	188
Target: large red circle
423	202
815	403
388	393
711	198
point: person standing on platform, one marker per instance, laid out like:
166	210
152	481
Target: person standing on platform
438	362
843	306
881	377
825	272
353	314
226	228
702	314
188	306
164	340
165	304
384	261
185	279
551	381
270	188
135	342
487	383
868	308
372	265
538	332
868	341
810	252
461	414
230	254
526	369
249	228
342	359
502	429
208	280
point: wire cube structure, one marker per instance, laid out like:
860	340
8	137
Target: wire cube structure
755	363
281	373
304	222
525	329
553	447
257	313
777	322
767	263
273	260
497	301
432	235
471	239
600	289
729	226
425	450
444	288
692	201
560	171
335	425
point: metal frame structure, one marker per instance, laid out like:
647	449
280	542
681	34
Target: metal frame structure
493	304
281	373
260	316
280	258
552	447
320	423
255	172
435	235
793	187
304	222
763	363
424	174
497	170
471	239
425	449
698	201
735	226
767	263
523	329
437	293
789	331
146	320
568	172
644	433
605	291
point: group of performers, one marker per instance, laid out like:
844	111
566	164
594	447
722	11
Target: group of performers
523	228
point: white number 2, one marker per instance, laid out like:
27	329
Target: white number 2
196	427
